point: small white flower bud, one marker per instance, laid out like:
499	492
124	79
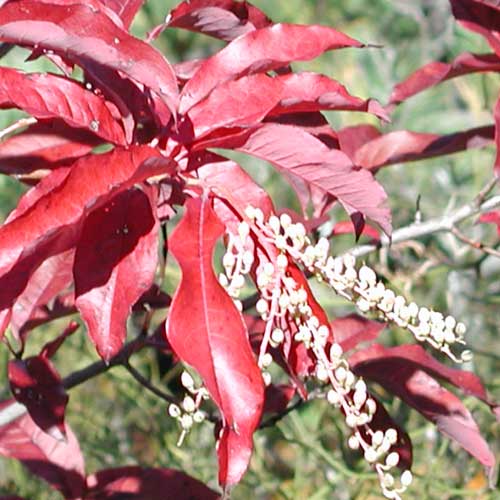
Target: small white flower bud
424	315
223	280
277	335
349	260
186	421
285	220
266	377
388	481
267	359
280	242
333	397
247	259
450	322
412	310
274	224
406	478
282	261
353	442
359	398
258	215
250	212
371	406
188	404
335	351
370	455
187	381
340	374
377	438
228	260
243	229
238	281
351	420
198	416
321	373
391	435
323	332
367	274
261	306
363	305
466	356
392	459
174	411
460	329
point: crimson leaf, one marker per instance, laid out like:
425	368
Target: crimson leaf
60	463
84	34
51	96
206	331
260	51
36	384
115	263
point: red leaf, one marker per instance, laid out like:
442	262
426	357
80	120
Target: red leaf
277	397
404	371
436	72
347	227
491	218
84	35
53	276
115	264
313	92
213	339
60	463
301	155
260	51
224	19
241	103
50	348
36	384
231	183
402	145
52	224
44	146
50	96
137	483
480	16
126	9
351	330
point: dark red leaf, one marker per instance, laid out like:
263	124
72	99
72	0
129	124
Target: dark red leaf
260	51
436	72
313	92
36	384
52	224
50	96
137	483
277	397
223	19
53	276
84	34
491	218
115	263
50	348
299	154
231	183
213	339
44	146
402	146
126	9
241	103
480	16
60	463
408	371
347	227
351	330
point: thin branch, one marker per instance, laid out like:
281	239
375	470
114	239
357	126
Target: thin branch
441	224
147	384
473	243
23	122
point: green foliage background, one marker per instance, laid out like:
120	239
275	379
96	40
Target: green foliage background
304	456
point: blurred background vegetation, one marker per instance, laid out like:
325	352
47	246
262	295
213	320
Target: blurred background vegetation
304	456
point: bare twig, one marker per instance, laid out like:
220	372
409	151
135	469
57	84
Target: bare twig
473	243
148	385
441	224
23	122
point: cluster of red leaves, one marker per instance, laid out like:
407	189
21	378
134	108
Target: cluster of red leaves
84	238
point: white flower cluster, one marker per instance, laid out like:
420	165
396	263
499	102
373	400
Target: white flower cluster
284	306
188	412
361	286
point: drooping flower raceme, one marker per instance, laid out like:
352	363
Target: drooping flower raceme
291	318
